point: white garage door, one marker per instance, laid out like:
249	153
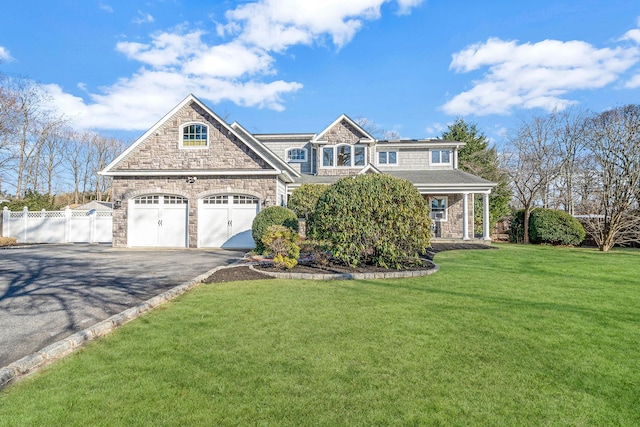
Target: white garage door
224	221
158	221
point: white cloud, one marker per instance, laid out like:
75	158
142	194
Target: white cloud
4	54
143	18
105	7
534	75
278	24
633	35
634	82
165	49
240	68
434	130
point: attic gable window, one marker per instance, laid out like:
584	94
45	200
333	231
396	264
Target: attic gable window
195	135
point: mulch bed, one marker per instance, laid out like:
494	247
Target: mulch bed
243	272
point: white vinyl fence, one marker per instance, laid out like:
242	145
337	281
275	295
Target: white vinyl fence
67	226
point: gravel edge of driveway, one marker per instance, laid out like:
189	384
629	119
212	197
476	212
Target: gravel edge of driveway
35	361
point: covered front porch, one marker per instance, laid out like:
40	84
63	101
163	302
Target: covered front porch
452	216
450	194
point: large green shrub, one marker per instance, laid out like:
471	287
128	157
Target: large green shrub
273	215
548	226
304	198
373	219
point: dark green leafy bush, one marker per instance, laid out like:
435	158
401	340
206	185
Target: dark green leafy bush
373	219
273	215
304	198
548	226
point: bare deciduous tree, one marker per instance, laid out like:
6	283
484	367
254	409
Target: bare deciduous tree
533	163
614	142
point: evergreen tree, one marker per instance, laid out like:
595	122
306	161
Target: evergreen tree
478	158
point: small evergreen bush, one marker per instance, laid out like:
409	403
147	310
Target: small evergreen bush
373	219
555	227
548	226
282	243
273	215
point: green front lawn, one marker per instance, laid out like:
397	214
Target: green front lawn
516	336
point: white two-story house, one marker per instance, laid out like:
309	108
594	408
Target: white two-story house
193	180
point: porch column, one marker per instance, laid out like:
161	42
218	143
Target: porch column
465	216
486	235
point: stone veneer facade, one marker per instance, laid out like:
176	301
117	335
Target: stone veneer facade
126	188
161	151
452	227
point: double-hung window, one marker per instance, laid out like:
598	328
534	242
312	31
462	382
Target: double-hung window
387	157
440	156
327	156
439	208
195	135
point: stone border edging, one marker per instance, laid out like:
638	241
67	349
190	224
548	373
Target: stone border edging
43	357
350	276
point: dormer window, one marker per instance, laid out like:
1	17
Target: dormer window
440	156
297	155
195	135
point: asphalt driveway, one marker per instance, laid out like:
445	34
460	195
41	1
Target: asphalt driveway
48	292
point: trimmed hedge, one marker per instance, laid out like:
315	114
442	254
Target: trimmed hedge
548	226
373	219
273	215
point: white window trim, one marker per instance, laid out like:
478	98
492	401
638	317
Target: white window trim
286	155
387	164
335	156
446	208
431	162
193	147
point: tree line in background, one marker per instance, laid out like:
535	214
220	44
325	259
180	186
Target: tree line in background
581	162
42	154
584	163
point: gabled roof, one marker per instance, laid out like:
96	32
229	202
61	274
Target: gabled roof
367	137
249	142
264	150
370	168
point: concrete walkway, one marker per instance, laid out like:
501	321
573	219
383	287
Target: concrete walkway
48	292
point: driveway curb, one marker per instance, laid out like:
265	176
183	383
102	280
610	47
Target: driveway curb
43	357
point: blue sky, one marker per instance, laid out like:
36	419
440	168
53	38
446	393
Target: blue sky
410	66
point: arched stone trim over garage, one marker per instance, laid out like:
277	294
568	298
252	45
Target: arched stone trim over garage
148	191
230	190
